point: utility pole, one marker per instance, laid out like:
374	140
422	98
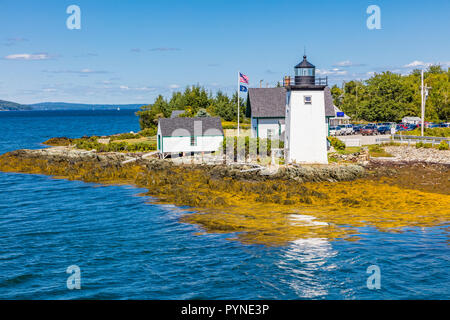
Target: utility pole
423	104
424	93
260	83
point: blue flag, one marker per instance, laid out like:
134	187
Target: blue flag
243	88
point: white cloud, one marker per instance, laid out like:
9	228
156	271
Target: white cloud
346	63
334	71
84	71
174	86
417	63
122	87
422	64
28	56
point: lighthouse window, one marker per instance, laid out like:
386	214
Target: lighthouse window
305	72
307	99
193	141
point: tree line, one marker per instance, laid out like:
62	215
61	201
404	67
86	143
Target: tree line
195	101
385	96
390	96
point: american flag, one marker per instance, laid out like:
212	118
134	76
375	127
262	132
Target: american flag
243	78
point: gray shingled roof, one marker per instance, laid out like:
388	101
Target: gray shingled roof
185	126
271	103
329	105
267	102
176	113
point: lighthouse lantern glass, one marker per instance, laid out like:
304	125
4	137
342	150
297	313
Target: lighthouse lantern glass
305	72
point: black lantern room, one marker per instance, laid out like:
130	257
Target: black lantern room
305	73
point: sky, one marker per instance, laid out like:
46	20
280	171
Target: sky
131	51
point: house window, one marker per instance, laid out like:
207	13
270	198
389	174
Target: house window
193	141
307	99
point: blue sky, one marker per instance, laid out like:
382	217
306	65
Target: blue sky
131	51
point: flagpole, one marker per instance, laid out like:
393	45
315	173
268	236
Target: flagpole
423	105
239	89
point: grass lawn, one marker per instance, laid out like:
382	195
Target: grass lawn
430	132
377	151
137	140
349	150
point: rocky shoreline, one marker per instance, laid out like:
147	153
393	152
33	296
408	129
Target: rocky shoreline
270	207
413	154
335	172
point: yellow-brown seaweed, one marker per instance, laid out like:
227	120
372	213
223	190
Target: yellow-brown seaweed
273	211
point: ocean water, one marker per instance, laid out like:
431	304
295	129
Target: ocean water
127	248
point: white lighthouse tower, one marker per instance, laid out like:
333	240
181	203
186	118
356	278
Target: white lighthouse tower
306	129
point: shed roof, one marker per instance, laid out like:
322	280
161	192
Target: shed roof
184	127
266	102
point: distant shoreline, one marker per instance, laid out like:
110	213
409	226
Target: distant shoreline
67	110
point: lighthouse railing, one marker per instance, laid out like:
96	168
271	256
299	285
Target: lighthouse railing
290	81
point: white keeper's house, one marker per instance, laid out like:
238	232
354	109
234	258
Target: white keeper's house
189	135
298	113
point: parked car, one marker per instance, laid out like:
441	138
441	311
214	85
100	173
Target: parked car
333	131
433	125
347	129
384	129
369	130
400	127
357	128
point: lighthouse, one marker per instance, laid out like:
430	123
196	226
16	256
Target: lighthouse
306	128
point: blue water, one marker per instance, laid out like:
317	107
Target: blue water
127	248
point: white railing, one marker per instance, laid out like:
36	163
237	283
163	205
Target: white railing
415	139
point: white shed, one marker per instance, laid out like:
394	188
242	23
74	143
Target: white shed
189	135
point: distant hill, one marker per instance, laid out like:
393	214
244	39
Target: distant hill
81	106
12	106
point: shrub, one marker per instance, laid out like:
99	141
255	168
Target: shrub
443	146
233	125
57	142
124	136
261	145
149	132
430	132
336	143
